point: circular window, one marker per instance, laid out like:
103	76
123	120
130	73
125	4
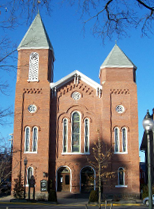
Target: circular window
120	109
76	95
32	108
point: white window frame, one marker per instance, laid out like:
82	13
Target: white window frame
79	134
36	140
87	134
65	119
31	69
124	128
115	141
27	127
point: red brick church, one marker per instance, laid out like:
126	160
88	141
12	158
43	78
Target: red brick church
55	123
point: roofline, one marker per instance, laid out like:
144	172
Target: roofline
19	48
67	78
121	66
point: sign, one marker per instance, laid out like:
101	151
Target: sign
43	185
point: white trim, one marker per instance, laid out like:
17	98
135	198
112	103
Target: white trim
25	140
37	80
33	139
69	77
66	136
20	48
75	153
70	177
79	134
121	153
88	134
120	186
116	66
94	176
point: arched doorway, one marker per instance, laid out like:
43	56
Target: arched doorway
63	180
87	179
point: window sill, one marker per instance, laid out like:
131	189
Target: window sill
120	186
33	80
30	152
121	153
75	153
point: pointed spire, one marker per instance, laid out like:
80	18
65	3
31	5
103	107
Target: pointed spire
36	36
117	58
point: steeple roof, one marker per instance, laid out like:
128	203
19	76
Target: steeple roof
36	36
117	58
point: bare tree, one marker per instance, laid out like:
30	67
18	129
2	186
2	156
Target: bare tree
110	17
102	156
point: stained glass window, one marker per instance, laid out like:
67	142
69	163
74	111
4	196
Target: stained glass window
86	135
27	138
65	135
35	137
124	139
121	180
116	140
75	132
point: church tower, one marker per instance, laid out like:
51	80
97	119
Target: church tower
32	105
120	119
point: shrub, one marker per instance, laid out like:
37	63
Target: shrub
93	197
18	191
145	191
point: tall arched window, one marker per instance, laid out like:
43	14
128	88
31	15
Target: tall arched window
75	132
35	138
116	139
65	131
33	66
121	176
27	138
86	135
124	139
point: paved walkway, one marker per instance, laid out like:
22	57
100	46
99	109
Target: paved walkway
67	198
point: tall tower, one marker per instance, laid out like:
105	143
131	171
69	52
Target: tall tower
32	105
120	119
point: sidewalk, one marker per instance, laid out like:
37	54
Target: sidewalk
67	198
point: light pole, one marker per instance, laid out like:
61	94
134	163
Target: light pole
25	163
148	125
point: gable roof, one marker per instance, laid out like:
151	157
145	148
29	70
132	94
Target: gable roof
36	36
69	77
117	59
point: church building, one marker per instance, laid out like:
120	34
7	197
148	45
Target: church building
57	124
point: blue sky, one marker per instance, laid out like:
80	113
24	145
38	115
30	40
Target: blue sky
76	49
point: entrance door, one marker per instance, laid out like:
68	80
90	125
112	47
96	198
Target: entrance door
63	179
87	179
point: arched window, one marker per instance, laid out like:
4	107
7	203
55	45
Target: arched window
86	135
35	138
75	132
27	138
65	136
124	139
116	139
29	173
33	66
121	176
